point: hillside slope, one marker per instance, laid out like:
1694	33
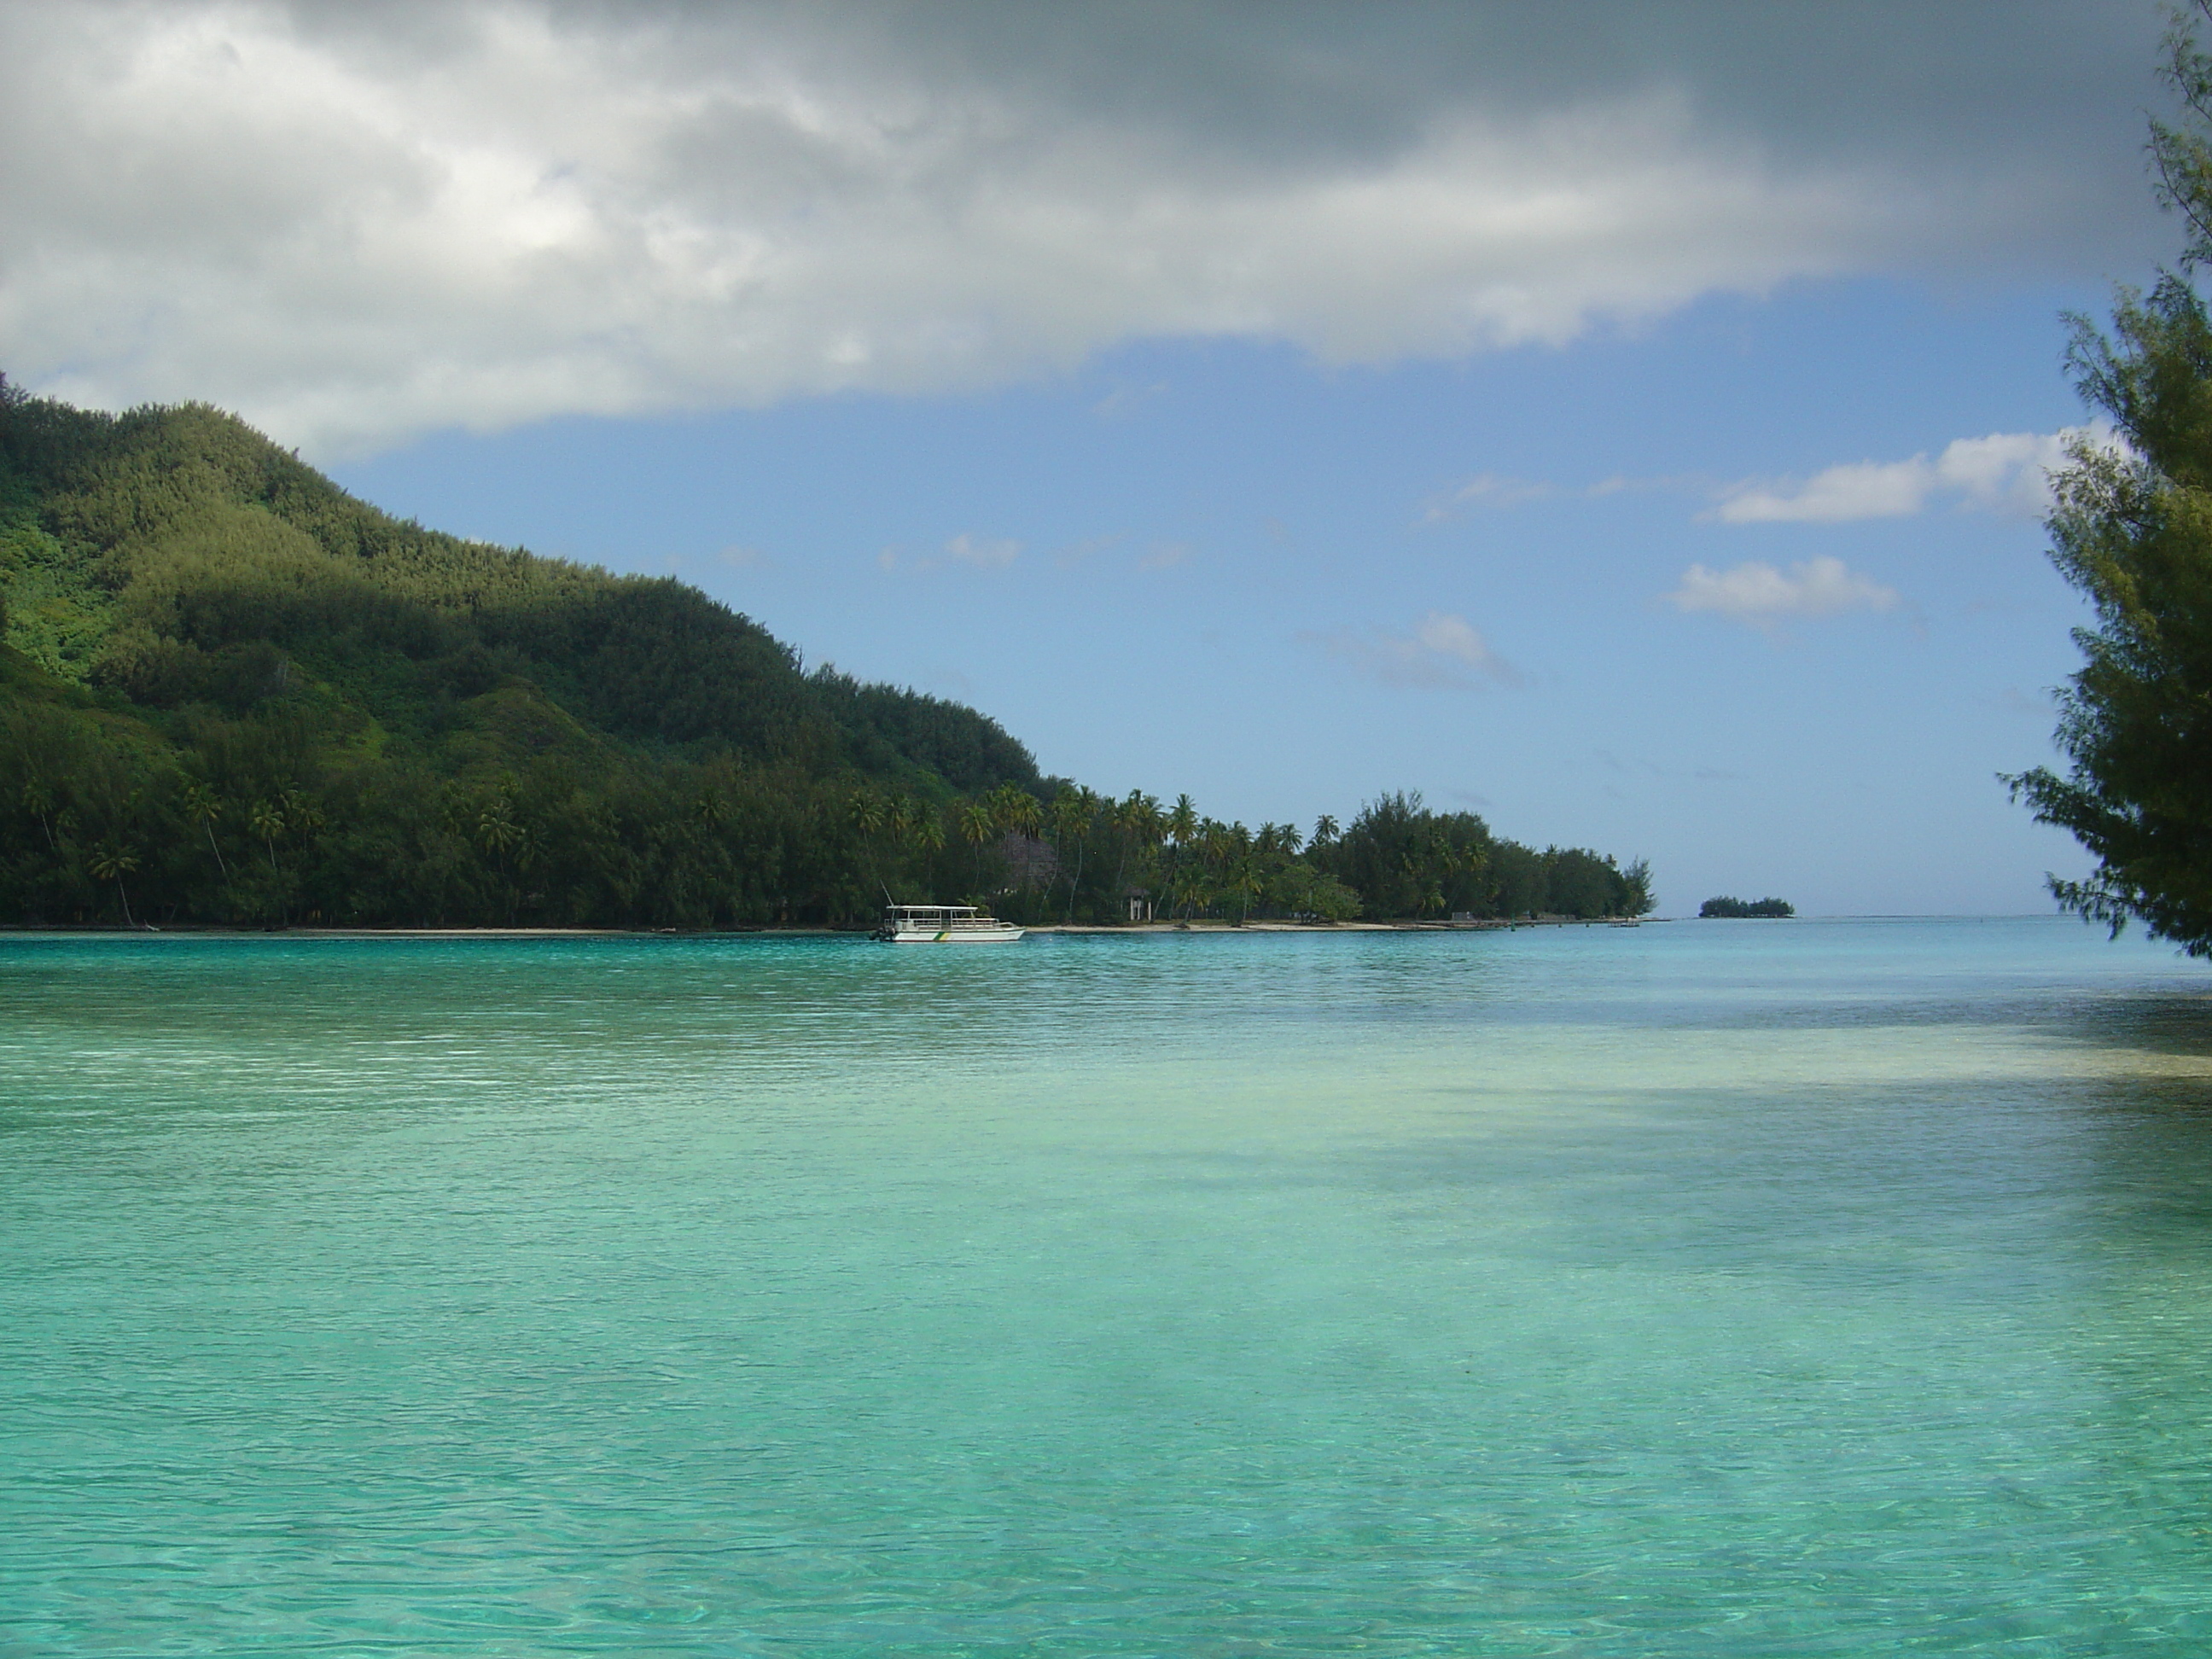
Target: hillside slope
232	694
190	604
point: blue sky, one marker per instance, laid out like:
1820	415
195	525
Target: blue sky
1631	429
1185	567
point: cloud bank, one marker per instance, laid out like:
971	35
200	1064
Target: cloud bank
2007	472
1756	593
1443	652
358	222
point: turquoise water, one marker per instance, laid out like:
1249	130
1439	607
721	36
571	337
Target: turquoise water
1700	1290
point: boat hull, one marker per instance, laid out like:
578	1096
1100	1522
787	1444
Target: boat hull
955	936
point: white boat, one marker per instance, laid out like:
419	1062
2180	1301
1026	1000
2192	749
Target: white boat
943	924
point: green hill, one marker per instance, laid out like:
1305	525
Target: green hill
188	604
231	693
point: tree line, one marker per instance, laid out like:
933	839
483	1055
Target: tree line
264	822
232	694
1725	906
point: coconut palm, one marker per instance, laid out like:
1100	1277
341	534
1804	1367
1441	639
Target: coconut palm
496	831
203	806
1243	885
976	828
266	820
929	835
1140	820
870	815
112	861
1063	826
1015	808
1080	808
1179	825
898	825
42	801
500	834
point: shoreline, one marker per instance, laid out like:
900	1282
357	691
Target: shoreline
200	930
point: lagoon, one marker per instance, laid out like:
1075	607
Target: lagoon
1709	1289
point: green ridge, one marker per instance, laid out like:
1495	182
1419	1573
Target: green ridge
231	693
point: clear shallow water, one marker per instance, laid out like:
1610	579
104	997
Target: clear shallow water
1697	1289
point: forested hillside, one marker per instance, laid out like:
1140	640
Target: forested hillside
231	693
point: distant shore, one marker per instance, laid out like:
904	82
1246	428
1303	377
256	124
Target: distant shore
196	930
1487	926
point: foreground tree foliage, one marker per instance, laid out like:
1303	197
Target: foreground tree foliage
2132	530
229	693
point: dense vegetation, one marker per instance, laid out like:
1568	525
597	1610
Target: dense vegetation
230	693
2132	530
1736	908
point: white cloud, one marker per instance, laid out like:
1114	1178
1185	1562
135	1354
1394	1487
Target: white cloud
1164	556
1757	593
1441	653
2005	473
355	223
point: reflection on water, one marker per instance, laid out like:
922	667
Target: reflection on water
1699	1289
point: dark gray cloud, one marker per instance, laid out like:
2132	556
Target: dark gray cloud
356	221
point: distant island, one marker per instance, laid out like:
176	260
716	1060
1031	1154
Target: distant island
233	694
1737	907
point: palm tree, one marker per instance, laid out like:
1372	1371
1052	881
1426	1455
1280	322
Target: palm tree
977	825
112	861
1082	816
1140	821
899	825
41	801
266	820
1015	808
1197	851
500	834
929	835
1063	821
304	816
497	832
203	806
870	815
1180	824
1245	882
